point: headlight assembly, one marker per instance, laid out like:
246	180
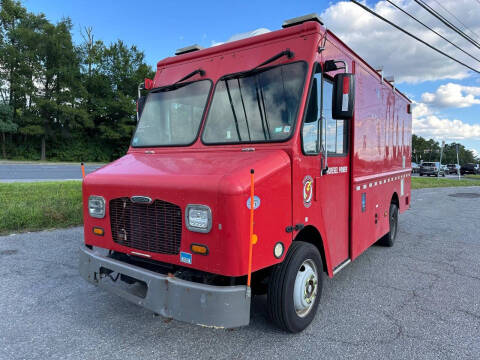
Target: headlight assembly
198	218
96	206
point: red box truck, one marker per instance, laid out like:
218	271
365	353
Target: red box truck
169	227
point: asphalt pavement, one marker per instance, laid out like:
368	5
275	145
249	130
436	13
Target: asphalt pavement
15	172
417	300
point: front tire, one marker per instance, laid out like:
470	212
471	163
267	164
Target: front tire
389	239
295	287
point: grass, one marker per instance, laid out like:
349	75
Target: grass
433	182
40	205
474	177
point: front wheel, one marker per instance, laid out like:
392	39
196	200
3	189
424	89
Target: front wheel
295	287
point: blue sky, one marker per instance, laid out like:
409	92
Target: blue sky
159	28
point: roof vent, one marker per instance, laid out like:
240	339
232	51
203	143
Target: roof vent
188	49
302	19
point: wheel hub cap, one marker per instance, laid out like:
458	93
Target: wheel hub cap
306	286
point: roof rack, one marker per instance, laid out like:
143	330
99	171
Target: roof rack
188	49
302	19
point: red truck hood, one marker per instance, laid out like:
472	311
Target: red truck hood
199	171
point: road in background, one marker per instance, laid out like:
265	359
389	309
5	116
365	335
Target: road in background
417	300
15	172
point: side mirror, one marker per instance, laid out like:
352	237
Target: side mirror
343	97
140	105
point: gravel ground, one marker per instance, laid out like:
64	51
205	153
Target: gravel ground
417	300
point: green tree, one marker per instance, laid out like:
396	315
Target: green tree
6	124
57	109
429	150
111	77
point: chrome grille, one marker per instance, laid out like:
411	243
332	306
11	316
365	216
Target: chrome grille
155	227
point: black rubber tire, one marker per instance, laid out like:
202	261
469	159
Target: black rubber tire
421	174
443	175
281	285
389	239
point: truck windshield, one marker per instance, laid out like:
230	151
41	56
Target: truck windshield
256	107
172	116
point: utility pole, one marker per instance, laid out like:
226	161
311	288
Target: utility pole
458	162
441	155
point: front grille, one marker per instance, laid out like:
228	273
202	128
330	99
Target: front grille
155	227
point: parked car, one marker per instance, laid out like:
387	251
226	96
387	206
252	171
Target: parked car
470	168
415	168
453	168
431	168
446	170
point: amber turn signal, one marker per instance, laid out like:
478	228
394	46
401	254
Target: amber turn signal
98	231
199	249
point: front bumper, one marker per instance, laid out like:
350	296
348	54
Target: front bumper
430	172
218	306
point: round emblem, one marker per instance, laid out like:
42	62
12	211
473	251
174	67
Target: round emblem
256	202
307	191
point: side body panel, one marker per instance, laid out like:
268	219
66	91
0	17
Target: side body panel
381	158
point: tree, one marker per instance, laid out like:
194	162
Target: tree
6	124
61	100
57	102
429	150
111	76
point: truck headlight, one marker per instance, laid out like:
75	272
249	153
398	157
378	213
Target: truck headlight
96	206
198	218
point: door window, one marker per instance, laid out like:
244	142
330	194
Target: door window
319	107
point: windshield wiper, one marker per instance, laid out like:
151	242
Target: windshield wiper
195	72
177	84
289	54
286	53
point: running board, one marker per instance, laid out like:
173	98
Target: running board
341	266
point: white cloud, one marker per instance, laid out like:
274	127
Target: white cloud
420	110
405	58
241	36
428	124
453	95
433	126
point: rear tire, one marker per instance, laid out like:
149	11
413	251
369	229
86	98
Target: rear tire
389	239
295	287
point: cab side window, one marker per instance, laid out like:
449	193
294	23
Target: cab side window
312	124
336	129
335	138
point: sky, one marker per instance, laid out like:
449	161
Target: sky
446	95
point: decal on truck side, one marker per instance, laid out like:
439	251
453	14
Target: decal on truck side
307	191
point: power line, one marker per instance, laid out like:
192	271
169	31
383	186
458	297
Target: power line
446	22
460	21
413	36
435	32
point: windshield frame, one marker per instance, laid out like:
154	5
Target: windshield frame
247	73
202	119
